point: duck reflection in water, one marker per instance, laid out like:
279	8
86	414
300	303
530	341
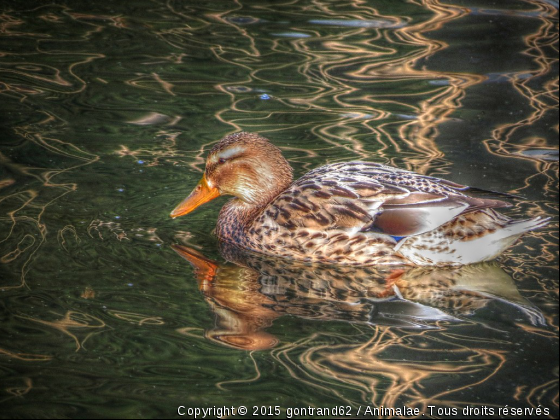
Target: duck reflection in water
250	291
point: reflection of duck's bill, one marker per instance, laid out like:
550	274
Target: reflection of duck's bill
204	268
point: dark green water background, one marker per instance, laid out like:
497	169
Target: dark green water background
107	110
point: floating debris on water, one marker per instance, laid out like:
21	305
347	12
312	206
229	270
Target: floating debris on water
358	23
549	155
153	118
291	34
244	20
439	82
407	116
357	115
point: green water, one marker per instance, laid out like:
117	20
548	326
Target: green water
107	110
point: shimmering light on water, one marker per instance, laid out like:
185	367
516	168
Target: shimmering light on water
110	308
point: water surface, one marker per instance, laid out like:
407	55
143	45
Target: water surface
107	113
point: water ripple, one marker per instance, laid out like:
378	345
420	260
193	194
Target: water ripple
107	113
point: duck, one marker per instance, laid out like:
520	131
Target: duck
349	213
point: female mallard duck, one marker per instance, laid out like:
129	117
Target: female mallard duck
358	213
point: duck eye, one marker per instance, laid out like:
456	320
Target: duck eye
221	161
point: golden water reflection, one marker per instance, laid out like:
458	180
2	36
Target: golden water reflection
250	291
405	314
90	96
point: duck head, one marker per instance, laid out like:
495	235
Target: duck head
244	165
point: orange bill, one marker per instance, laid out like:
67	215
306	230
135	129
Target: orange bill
200	195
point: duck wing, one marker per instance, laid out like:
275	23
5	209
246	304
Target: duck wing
371	197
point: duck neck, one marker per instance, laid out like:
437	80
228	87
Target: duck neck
235	218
